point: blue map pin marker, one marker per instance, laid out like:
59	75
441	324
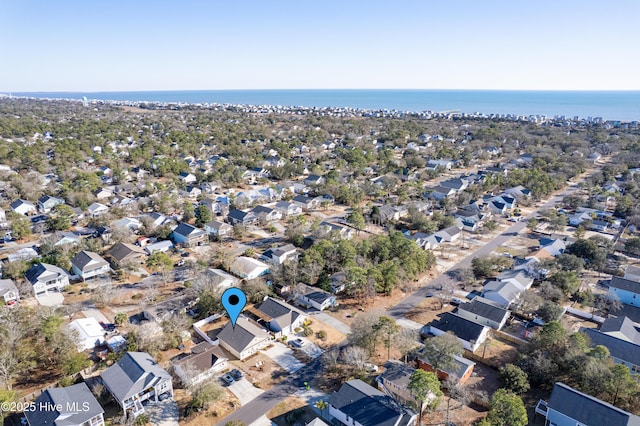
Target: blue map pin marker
233	301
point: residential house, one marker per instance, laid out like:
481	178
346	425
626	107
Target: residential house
24	254
3	218
394	381
460	371
278	316
158	219
569	407
314	180
266	214
204	361
9	292
243	340
632	272
458	184
47	202
503	293
87	264
518	192
187	177
306	203
97	210
123	254
391	213
219	206
61	238
288	209
192	192
103	193
88	333
553	246
627	291
74	405
218	228
434	164
46	278
189	236
136	378
163	246
332	230
239	217
621	337
518	277
222	279
358	404
484	311
317	299
279	255
470	333
23	207
248	268
127	223
450	234
440	192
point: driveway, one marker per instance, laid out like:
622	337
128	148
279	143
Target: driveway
310	348
96	314
50	299
164	413
407	323
332	322
244	391
262	421
283	356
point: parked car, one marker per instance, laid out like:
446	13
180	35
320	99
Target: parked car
164	396
456	301
108	326
236	374
228	379
296	343
370	368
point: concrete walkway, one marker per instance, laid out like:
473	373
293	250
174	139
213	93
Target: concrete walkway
244	391
164	413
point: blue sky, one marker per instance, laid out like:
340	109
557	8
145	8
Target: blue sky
81	45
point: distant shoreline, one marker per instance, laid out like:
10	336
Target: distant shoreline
607	105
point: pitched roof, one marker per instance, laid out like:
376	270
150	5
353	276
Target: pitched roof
621	327
587	409
55	406
7	286
244	335
122	251
484	308
135	372
188	230
458	369
280	312
618	348
368	406
43	272
85	258
463	328
625	284
203	356
397	372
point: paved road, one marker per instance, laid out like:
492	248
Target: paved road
397	312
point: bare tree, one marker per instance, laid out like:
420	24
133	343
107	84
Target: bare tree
356	357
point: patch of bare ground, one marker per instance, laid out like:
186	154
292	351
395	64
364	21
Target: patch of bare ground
291	411
428	310
323	335
210	416
459	414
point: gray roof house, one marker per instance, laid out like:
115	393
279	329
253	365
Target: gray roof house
135	378
621	337
204	361
9	292
45	278
358	403
470	333
279	255
188	235
47	202
484	311
568	406
244	339
239	217
88	264
502	292
74	405
395	381
218	228
279	316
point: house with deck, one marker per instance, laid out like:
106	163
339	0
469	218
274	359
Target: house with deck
74	405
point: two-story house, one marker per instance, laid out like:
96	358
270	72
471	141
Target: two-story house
48	202
622	339
239	217
288	209
279	255
626	290
74	405
45	278
87	264
189	236
218	229
136	378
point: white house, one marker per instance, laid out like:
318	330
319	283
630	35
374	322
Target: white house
87	264
9	292
470	333
89	333
316	298
162	246
74	405
245	339
279	316
279	255
248	268
45	278
23	207
97	209
136	378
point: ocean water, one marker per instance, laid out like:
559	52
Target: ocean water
610	105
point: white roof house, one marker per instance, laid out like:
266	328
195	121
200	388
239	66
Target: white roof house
89	333
248	268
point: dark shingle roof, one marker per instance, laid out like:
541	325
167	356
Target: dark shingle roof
367	405
462	328
625	284
485	308
46	406
587	409
623	327
242	336
618	348
44	272
82	259
188	230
